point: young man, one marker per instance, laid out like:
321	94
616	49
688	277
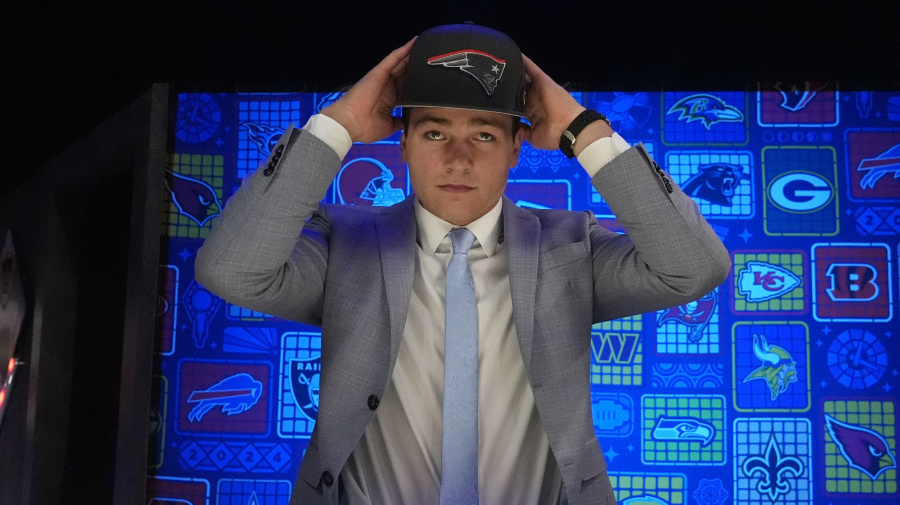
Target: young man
510	422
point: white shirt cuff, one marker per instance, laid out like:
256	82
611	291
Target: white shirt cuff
601	151
331	132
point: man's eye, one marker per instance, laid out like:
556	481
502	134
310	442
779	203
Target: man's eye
433	135
485	136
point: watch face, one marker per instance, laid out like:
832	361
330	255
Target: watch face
857	359
198	117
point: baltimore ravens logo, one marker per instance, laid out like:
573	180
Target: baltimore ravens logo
707	109
482	66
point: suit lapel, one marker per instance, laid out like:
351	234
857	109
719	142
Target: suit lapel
522	234
396	230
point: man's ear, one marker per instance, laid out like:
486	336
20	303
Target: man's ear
517	147
403	146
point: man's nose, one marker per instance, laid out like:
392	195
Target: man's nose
458	155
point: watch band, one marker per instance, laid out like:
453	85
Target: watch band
567	139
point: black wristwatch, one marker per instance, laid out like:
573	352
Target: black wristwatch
567	139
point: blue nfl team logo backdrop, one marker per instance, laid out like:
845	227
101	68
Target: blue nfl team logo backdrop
778	387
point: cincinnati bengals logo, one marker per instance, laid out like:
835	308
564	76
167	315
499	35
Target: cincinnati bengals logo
852	282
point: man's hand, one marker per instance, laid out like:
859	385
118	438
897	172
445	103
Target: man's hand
365	110
551	109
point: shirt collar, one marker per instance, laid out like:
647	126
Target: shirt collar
432	229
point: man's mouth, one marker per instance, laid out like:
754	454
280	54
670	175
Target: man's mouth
456	188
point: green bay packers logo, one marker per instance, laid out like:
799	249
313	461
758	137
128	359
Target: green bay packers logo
800	192
305	385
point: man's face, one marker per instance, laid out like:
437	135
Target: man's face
459	160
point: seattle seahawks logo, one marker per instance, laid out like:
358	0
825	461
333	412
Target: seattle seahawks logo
482	66
707	109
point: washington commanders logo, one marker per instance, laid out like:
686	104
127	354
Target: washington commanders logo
774	470
759	281
305	385
707	109
778	368
485	68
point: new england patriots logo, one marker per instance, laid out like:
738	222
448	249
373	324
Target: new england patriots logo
194	198
707	109
863	448
795	97
715	182
885	163
774	468
482	66
778	368
264	136
235	394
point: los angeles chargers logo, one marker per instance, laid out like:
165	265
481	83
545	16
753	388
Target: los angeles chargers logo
774	468
485	68
864	449
707	109
305	385
778	368
763	281
715	182
235	394
887	162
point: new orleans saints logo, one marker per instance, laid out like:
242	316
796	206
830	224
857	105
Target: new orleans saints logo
774	469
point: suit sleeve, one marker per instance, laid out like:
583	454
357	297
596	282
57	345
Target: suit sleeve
669	254
268	250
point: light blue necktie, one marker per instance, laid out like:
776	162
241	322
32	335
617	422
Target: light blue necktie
459	450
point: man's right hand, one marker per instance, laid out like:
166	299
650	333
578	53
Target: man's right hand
365	110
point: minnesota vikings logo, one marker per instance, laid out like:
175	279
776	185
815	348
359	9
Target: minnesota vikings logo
194	198
707	109
795	97
774	468
778	369
887	162
482	66
305	379
695	315
864	449
716	182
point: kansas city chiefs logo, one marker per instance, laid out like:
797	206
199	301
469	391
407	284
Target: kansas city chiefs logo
761	281
480	65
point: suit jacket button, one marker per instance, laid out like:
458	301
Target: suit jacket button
273	163
279	149
267	172
373	402
327	479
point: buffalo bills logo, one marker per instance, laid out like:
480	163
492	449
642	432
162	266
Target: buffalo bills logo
887	162
864	449
305	378
235	394
707	109
716	182
194	198
482	66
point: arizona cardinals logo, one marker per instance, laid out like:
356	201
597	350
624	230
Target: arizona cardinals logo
716	182
482	66
694	315
774	467
707	109
885	163
795	97
864	449
234	394
193	198
264	136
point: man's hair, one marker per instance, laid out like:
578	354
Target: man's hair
405	113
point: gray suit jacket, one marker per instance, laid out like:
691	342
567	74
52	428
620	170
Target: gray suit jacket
350	270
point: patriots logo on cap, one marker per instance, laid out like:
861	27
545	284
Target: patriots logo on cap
480	65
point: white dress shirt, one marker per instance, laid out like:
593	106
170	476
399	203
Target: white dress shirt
398	459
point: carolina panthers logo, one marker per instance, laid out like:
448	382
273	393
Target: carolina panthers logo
716	182
707	109
482	66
